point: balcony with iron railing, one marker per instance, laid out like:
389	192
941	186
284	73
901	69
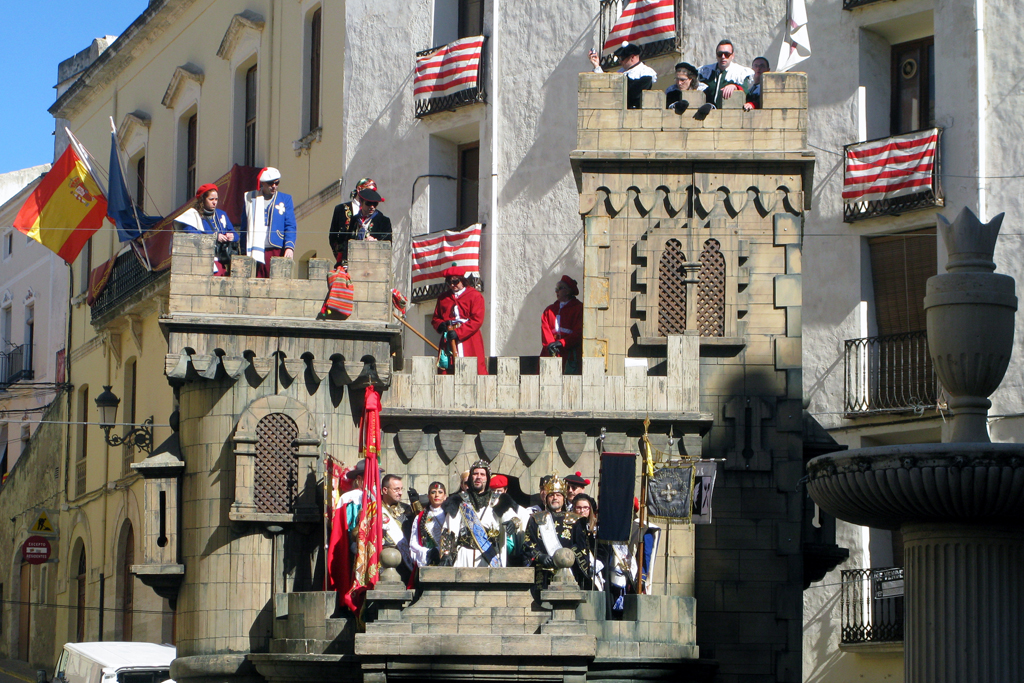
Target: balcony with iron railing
872	606
909	166
610	12
450	76
854	4
891	373
129	278
16	365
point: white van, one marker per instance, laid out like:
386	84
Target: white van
114	662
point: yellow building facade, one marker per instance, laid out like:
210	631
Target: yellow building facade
193	88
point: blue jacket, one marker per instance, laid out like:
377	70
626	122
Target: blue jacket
281	231
223	225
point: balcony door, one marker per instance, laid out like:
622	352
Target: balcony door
913	86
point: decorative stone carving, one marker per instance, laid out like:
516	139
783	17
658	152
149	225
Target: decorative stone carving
183	75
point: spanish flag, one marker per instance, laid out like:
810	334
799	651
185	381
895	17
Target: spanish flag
67	207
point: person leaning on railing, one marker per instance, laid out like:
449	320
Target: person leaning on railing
204	218
639	76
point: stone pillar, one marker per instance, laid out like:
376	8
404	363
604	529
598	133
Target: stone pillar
964	603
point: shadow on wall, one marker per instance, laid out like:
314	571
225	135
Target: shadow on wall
547	160
526	338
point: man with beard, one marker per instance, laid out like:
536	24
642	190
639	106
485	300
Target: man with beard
397	519
555	528
475	532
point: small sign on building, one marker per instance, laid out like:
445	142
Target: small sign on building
888	583
35	550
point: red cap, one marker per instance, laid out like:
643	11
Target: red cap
498	481
457	271
203	189
573	287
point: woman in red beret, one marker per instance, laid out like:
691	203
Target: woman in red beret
561	327
458	316
205	219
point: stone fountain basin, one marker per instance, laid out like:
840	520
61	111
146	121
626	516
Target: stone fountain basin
886	486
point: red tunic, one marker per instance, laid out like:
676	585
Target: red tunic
471	313
569	329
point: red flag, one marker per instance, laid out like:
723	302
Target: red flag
370	530
448	69
642	22
435	251
891	167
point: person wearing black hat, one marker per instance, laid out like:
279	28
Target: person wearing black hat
639	76
366	224
561	327
686	80
575	483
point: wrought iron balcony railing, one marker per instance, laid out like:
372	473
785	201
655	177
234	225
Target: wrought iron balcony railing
890	373
16	365
872	605
908	154
128	277
610	11
853	4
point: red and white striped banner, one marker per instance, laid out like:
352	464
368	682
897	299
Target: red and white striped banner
893	167
448	69
434	252
642	21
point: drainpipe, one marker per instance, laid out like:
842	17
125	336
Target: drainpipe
495	48
982	98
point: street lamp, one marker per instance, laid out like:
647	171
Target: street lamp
140	436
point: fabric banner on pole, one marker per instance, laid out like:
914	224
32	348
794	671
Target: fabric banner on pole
642	22
130	222
796	47
67	207
703	489
615	496
668	492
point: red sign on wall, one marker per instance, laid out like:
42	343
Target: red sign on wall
35	550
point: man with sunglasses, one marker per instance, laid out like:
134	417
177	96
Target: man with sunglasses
268	221
366	223
458	317
723	78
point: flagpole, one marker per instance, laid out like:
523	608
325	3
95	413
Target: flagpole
135	210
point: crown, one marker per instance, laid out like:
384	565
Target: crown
555	484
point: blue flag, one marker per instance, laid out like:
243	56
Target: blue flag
130	222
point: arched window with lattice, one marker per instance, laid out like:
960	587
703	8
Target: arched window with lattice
276	473
711	291
672	290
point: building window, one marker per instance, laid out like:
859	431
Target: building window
711	291
469	185
82	441
140	183
314	68
672	290
30	338
130	383
8	244
250	116
80	579
900	268
913	86
191	154
471	18
6	325
275	483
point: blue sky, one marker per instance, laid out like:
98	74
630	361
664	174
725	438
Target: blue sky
37	36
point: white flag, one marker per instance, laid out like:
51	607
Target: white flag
797	46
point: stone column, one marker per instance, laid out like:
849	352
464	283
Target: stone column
964	603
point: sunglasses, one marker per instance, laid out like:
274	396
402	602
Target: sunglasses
371	204
724	54
272	182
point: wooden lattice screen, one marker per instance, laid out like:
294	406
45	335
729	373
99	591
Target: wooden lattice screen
711	291
672	290
276	477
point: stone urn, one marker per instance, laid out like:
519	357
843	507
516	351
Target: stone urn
970	311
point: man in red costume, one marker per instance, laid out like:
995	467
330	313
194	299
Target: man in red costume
458	316
561	327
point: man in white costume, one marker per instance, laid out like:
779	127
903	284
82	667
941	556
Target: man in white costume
475	526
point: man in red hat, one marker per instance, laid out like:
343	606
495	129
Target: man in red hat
366	222
268	222
561	327
458	315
